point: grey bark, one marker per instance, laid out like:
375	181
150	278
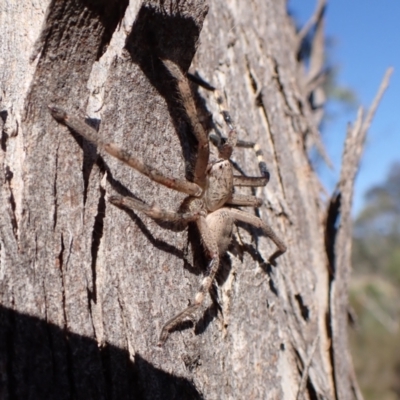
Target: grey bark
85	287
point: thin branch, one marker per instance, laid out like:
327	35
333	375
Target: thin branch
316	81
356	137
317	52
342	244
378	97
317	15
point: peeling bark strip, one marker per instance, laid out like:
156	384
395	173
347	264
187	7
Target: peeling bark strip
84	286
339	226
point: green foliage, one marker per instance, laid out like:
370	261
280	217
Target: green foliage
375	291
343	95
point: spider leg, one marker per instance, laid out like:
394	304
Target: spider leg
153	211
203	151
90	134
226	148
260	158
211	247
246	200
242	216
252	181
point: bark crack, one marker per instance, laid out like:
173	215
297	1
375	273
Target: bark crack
55	188
9	176
97	234
61	266
305	311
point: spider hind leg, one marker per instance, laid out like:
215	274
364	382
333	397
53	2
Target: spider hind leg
211	246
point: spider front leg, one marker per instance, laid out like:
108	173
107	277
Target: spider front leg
153	211
262	166
83	129
227	145
211	246
203	151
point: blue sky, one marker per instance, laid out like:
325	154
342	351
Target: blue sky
366	36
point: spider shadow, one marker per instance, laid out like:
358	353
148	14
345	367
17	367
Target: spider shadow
215	308
158	243
250	249
210	312
237	250
156	35
200	261
193	234
92	157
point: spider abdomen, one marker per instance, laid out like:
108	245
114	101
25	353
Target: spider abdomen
220	224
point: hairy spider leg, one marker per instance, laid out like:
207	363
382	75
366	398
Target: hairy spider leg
203	150
241	180
260	157
250	181
229	143
211	245
216	239
253	181
153	211
246	200
227	149
90	134
232	141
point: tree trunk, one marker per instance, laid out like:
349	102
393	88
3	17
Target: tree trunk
85	286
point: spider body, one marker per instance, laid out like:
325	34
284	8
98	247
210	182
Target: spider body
211	194
219	185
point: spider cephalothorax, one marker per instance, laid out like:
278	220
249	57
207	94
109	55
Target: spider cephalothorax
211	194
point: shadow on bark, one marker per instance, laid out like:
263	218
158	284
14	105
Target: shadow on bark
157	35
39	360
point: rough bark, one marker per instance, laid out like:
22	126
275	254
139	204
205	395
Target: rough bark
85	286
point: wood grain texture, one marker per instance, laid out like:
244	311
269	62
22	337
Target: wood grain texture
86	287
